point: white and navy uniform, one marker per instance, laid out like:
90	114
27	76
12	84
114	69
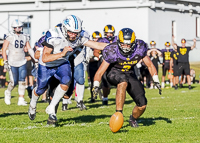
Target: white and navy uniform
59	68
16	56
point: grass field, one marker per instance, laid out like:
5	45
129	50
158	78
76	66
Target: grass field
173	116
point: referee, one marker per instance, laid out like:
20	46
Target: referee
183	58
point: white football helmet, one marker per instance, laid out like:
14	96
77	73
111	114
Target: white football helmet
73	24
17	24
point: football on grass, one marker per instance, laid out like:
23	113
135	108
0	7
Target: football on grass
116	122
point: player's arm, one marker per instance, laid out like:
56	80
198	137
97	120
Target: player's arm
4	48
173	43
194	45
95	45
48	57
97	78
153	72
150	66
149	52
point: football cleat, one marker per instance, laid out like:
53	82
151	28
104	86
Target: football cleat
52	119
105	101
176	87
65	107
31	112
92	100
189	87
132	122
81	105
7	97
181	85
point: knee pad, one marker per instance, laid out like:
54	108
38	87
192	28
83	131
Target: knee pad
80	80
10	86
21	87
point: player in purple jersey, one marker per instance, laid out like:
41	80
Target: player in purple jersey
120	58
166	62
109	32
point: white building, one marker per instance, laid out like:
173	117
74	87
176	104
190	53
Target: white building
150	19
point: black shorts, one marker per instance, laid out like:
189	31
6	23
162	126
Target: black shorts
165	68
135	89
1	71
175	69
183	68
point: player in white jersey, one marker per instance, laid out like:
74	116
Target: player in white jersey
15	61
59	44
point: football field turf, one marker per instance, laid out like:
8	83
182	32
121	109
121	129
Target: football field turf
173	116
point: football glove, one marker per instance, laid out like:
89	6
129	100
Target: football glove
158	86
6	65
157	83
95	91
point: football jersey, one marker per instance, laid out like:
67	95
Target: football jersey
166	55
16	54
112	55
174	55
183	54
55	39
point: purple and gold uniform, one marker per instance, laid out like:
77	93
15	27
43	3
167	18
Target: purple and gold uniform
121	69
166	60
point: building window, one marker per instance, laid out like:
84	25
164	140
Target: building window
174	28
197	27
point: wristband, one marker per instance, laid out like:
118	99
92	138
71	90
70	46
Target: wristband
155	78
96	83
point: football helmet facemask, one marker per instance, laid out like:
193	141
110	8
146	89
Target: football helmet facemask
109	29
17	26
127	37
71	24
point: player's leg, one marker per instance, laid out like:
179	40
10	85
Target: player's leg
163	76
119	79
63	74
22	85
187	73
79	76
43	75
136	91
93	67
14	75
105	88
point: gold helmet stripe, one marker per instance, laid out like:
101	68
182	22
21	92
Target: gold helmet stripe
94	35
106	28
121	37
133	37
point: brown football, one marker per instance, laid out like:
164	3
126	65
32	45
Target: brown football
116	121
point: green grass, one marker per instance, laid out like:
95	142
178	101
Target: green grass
173	116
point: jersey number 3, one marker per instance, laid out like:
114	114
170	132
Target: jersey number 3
19	44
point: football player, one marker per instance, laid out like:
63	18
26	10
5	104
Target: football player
166	63
109	37
15	62
60	43
154	54
183	59
93	62
121	57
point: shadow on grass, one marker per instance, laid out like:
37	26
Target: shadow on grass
152	121
11	114
77	120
